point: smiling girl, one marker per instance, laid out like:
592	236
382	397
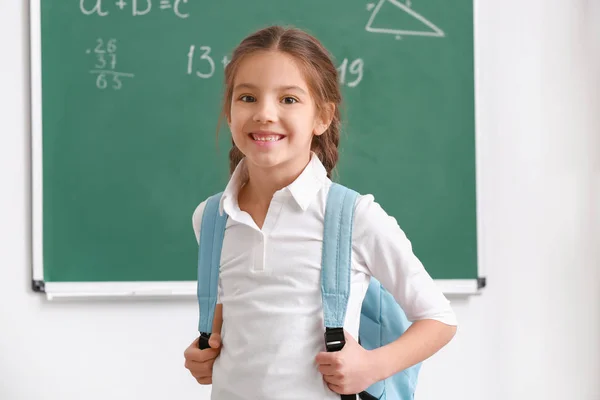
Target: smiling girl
281	102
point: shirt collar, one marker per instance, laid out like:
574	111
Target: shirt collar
229	199
306	186
302	190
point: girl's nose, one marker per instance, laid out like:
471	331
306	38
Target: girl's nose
266	112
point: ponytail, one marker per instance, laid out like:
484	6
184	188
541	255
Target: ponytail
326	145
235	156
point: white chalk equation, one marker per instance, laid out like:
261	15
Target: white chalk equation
103	8
201	63
391	7
105	64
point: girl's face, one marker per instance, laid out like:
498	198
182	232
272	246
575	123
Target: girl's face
273	117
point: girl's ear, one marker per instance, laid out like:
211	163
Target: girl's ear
324	120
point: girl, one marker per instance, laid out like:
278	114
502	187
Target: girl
282	106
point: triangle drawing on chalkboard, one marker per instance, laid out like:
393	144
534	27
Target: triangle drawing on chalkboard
399	20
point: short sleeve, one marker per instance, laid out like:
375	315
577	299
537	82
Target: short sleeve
383	248
197	223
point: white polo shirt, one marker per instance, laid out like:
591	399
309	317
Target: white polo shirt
271	294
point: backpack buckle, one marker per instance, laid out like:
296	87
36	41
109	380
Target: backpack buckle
203	341
334	339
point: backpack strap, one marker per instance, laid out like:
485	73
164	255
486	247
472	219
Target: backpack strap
212	232
335	265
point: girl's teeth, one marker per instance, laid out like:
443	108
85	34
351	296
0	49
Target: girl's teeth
266	138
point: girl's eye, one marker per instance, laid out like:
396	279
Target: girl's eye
247	99
289	100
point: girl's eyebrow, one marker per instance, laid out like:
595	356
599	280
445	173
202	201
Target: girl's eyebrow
280	88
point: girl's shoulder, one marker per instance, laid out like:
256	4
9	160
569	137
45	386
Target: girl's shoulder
371	220
197	215
197	218
369	215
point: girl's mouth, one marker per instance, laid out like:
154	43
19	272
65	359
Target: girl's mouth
266	138
262	137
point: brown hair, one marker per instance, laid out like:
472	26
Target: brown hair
319	71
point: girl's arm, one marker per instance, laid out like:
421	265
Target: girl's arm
381	249
381	246
423	339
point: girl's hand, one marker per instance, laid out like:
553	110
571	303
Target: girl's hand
200	362
348	371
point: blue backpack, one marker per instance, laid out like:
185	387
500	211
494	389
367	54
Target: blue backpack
381	322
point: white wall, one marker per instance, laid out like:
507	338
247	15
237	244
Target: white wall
534	333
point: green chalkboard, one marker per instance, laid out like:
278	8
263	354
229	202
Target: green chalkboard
129	98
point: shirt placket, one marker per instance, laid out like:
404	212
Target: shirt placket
260	263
